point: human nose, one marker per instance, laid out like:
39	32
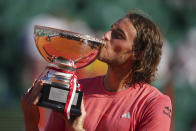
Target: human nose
107	36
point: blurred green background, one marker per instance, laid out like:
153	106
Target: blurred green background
176	18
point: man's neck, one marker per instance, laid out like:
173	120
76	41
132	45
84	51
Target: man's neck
115	79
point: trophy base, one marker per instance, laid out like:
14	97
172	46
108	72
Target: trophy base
55	96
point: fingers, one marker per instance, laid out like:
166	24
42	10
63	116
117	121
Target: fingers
37	99
32	96
83	108
78	122
81	118
28	104
35	92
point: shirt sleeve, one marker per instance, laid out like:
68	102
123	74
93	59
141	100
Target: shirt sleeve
55	123
157	115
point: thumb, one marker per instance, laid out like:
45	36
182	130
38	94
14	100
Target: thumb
78	123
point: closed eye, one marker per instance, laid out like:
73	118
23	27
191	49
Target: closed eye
116	34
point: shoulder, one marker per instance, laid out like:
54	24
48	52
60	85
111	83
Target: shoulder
161	97
157	103
150	98
150	92
155	96
160	104
156	111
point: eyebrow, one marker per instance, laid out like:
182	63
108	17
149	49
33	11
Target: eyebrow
119	30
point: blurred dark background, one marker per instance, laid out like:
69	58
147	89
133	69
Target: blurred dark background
20	62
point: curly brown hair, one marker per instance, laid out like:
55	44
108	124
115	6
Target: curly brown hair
147	49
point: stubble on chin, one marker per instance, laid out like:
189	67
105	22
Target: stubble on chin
102	55
102	58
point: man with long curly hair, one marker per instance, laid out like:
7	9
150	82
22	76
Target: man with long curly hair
124	98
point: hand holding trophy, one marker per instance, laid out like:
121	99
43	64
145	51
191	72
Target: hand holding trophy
66	52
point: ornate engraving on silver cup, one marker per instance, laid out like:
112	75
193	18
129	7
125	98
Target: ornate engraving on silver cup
65	51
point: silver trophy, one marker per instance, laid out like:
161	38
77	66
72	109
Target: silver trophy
66	52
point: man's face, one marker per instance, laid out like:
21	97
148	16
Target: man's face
119	42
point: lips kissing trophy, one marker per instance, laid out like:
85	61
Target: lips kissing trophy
66	52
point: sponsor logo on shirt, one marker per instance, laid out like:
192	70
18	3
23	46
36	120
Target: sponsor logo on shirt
167	111
126	115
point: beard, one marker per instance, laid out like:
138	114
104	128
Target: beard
106	58
103	54
109	56
102	58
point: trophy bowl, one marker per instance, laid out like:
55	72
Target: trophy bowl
56	45
65	51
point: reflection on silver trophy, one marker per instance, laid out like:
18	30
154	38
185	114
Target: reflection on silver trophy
65	51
